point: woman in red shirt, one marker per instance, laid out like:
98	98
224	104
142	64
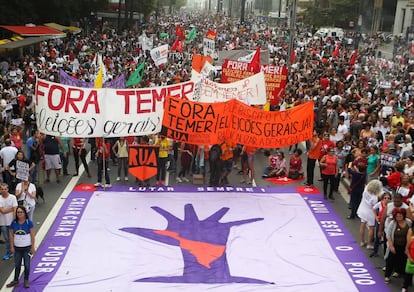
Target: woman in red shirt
295	165
329	170
16	137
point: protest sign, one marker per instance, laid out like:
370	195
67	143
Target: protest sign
234	121
250	90
209	47
160	55
70	111
142	161
22	170
102	112
275	76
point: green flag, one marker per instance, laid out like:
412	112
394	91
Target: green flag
136	77
163	34
192	34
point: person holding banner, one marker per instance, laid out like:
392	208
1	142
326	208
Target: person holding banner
102	155
19	168
79	151
165	145
121	151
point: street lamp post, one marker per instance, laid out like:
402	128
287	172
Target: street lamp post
292	30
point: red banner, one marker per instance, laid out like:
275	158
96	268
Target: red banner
275	76
234	121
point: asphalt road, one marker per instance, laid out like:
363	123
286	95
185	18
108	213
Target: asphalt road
55	195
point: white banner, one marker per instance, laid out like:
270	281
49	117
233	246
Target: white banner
209	47
160	55
146	42
70	111
251	90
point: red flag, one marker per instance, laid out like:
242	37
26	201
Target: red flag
180	46
353	58
412	48
336	52
211	34
175	45
255	63
179	32
293	56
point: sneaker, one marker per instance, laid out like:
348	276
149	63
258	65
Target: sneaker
7	256
179	180
118	178
26	284
186	179
12	284
126	178
98	184
386	280
362	244
107	185
242	181
370	246
395	275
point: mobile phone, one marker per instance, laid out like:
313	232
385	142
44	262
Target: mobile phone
30	254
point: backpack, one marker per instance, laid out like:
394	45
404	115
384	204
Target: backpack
215	153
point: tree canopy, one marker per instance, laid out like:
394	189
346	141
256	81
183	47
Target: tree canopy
331	13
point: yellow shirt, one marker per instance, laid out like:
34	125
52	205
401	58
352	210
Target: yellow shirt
164	146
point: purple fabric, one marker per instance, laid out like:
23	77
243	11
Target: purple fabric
56	243
66	79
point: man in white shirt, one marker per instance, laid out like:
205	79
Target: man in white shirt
8	206
7	154
342	128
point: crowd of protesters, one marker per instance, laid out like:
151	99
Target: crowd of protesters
363	113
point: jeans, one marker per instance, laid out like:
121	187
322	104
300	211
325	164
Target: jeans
21	253
65	163
161	173
100	170
82	155
33	173
310	170
5	232
123	164
328	178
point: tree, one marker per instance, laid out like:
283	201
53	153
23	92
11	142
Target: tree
331	12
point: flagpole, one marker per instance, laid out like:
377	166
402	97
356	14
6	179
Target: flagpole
292	31
103	163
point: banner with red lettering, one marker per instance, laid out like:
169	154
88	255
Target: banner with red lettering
275	76
143	161
234	121
70	111
275	80
251	90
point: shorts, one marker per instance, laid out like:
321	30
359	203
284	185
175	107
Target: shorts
52	161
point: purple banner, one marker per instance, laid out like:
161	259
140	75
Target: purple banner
66	79
53	249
